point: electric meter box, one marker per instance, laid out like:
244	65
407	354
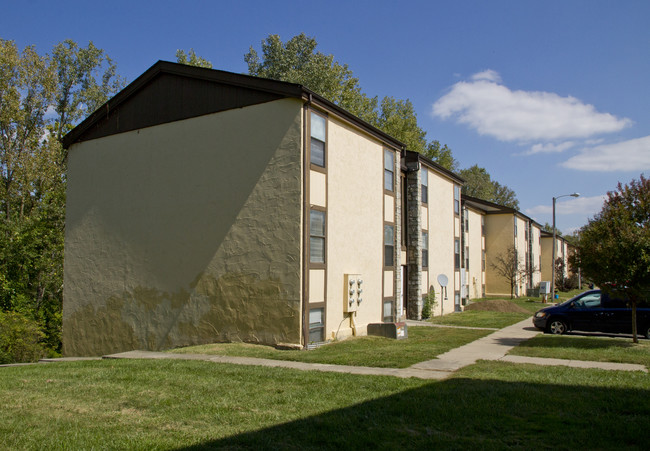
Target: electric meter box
352	292
544	288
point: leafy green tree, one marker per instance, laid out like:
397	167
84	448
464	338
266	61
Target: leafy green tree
191	59
86	79
298	61
398	119
478	183
505	196
41	99
441	155
615	244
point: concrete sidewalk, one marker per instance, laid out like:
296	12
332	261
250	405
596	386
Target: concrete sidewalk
492	347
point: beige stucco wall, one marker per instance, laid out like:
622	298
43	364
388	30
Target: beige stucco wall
186	233
562	250
537	252
499	236
547	258
443	226
476	243
521	243
355	228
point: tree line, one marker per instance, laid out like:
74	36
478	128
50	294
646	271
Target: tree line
42	97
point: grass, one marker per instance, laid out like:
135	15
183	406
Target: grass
423	343
131	404
597	349
477	318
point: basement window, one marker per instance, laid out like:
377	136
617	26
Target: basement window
316	325
388	311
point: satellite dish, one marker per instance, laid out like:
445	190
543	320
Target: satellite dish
443	280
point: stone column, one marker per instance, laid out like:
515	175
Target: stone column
414	245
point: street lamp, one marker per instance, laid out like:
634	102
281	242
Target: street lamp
554	245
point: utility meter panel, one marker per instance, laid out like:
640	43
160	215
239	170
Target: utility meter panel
352	292
544	287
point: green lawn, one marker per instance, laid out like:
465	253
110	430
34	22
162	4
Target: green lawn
477	318
149	405
423	343
598	349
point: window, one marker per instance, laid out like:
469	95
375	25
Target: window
591	300
389	170
388	311
466	219
483	261
317	236
318	133
456	199
389	245
316	326
483	227
515	226
457	253
425	186
425	250
467	257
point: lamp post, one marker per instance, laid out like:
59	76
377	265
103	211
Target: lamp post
554	245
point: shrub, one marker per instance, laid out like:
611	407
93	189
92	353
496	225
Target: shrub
429	304
20	339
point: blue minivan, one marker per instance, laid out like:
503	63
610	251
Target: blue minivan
593	311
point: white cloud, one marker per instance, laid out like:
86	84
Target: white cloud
487	75
491	108
550	148
587	206
632	155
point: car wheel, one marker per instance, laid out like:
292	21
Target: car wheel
647	331
557	327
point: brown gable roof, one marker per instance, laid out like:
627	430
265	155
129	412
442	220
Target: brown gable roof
168	92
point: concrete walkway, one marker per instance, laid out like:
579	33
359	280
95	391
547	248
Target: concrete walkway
492	347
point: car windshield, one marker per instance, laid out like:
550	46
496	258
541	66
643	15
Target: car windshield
586	293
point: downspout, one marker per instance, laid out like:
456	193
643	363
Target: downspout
304	335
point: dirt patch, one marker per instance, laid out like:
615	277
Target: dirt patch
496	305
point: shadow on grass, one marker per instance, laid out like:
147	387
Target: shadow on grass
576	340
469	413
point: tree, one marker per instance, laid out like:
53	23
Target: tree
478	183
72	82
441	155
298	61
508	265
615	244
86	78
398	119
505	196
191	59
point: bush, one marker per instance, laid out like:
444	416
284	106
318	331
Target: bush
429	304
20	339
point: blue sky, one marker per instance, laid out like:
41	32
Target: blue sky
551	97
